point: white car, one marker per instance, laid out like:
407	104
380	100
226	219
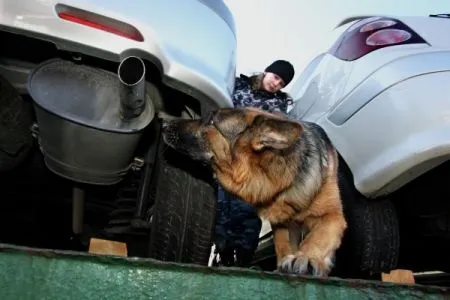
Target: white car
82	86
382	94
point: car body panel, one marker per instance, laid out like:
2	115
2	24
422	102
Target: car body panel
388	112
324	88
402	133
433	30
193	45
390	74
334	80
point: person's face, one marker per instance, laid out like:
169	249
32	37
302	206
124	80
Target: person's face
272	83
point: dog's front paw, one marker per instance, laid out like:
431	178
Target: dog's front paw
302	264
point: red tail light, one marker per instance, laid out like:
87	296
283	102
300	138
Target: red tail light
99	22
388	37
371	34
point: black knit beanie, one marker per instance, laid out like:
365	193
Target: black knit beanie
282	68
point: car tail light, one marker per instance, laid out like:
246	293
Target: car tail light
368	35
388	37
99	22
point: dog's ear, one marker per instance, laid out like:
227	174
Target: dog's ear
274	133
230	122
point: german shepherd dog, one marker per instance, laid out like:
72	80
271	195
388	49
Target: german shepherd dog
286	169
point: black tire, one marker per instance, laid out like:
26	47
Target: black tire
16	119
182	224
183	213
372	242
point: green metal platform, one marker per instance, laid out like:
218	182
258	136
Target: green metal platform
47	274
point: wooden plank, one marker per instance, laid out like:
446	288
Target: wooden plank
399	276
106	247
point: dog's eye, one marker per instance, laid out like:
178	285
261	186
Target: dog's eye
211	122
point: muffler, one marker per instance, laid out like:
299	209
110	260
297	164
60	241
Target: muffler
90	120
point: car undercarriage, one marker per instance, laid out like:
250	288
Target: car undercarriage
55	202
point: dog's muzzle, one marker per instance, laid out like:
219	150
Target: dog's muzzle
185	137
170	132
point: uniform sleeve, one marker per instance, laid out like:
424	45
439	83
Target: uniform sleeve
283	101
282	107
237	97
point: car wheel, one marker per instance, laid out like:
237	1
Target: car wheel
16	118
184	206
183	216
371	243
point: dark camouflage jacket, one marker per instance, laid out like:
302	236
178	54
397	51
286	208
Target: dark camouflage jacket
248	93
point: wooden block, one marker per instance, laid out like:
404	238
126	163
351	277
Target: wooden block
399	276
106	247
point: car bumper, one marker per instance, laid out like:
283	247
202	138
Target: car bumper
192	45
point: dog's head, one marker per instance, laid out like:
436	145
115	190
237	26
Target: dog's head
231	131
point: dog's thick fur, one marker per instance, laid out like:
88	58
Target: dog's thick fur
286	169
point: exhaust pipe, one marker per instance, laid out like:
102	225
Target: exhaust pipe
131	73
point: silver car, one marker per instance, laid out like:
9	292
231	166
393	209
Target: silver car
83	85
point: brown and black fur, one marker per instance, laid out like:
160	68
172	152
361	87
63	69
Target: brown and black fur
286	169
